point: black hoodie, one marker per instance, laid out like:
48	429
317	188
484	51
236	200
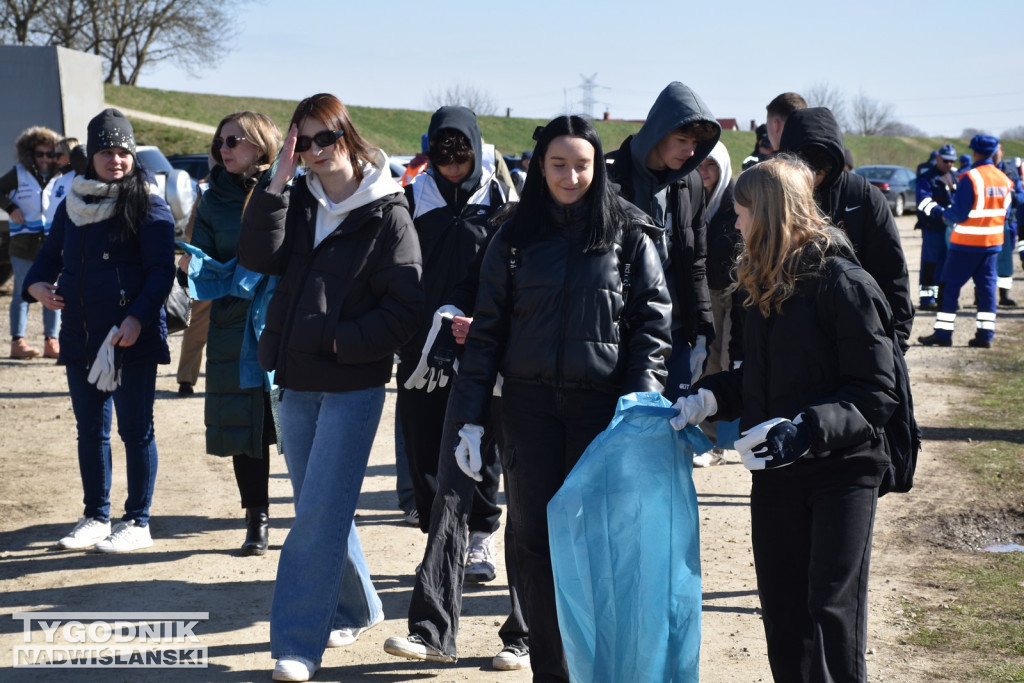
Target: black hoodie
675	200
858	208
452	220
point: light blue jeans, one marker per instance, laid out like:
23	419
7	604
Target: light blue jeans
322	578
19	307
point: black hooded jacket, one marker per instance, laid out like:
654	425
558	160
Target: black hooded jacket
827	354
858	208
558	316
452	220
675	200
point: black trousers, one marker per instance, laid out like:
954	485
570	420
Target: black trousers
422	426
812	550
252	474
547	431
437	596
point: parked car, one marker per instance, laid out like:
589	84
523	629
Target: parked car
196	165
176	186
398	162
897	183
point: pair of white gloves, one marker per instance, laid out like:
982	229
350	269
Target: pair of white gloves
104	373
439	361
773	443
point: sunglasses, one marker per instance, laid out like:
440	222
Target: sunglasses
231	141
46	155
323	140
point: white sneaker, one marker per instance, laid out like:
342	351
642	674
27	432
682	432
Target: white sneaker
413	647
127	536
340	637
293	669
511	658
480	561
708	459
87	532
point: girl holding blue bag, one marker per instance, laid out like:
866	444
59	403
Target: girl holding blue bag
573	312
813	394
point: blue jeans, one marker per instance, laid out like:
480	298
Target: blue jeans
19	307
133	401
322	578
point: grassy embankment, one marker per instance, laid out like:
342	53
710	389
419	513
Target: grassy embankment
398	131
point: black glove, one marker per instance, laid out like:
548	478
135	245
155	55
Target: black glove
439	359
785	443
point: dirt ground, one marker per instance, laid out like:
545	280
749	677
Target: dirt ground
197	526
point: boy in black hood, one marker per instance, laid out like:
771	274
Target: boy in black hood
656	170
451	204
855	206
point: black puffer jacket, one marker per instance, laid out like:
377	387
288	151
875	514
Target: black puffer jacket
359	288
858	208
827	354
554	315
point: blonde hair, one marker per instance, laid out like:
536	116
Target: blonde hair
259	130
785	223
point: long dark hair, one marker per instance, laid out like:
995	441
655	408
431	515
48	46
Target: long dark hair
133	200
607	218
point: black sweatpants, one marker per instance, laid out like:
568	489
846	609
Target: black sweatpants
437	596
812	549
547	431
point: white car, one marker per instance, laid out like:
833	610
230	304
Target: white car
176	186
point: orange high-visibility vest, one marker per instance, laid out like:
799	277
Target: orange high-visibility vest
984	224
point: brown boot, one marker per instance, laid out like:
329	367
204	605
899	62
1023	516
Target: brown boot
51	349
21	350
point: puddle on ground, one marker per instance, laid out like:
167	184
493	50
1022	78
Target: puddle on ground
979	530
1004	548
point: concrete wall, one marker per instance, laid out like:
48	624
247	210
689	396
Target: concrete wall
46	86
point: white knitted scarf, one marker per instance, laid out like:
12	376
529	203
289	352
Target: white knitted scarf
103	200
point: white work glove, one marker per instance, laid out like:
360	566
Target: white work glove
698	354
774	443
737	364
104	374
498	383
439	360
694	409
467	452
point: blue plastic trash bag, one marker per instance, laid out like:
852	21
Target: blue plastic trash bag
625	550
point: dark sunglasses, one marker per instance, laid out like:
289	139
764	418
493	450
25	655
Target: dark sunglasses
231	141
46	155
323	140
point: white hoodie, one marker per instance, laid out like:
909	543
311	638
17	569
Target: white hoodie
377	182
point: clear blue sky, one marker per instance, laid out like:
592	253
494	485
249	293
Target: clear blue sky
530	55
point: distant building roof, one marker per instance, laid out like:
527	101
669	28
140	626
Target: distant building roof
729	124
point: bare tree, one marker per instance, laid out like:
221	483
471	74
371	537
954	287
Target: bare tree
969	133
469	96
900	129
827	95
1015	133
130	35
17	18
869	116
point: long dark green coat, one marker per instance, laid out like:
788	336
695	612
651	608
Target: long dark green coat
234	416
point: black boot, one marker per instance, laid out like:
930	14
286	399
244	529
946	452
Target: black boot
1004	299
257	525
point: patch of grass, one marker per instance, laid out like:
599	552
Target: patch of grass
984	623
